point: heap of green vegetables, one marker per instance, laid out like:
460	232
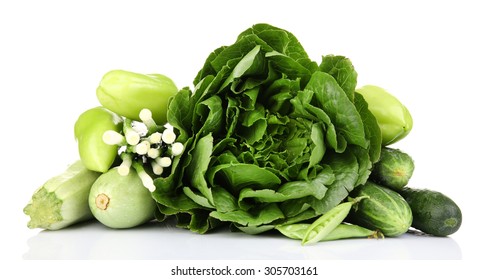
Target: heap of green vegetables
266	140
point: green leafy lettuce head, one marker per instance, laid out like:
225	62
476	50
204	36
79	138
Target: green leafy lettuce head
271	137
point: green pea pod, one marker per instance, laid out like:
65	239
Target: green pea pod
342	231
325	224
127	93
95	154
321	227
392	116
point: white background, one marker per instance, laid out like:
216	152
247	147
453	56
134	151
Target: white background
431	54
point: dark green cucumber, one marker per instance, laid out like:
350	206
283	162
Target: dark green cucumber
433	212
384	210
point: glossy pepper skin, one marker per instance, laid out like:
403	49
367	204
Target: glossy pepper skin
392	116
127	93
95	154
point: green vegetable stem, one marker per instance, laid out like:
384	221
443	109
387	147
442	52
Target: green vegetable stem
393	117
89	129
127	93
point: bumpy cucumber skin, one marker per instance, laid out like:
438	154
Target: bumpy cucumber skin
384	210
433	212
394	169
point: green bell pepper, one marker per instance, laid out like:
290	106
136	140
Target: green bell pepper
127	93
95	154
392	116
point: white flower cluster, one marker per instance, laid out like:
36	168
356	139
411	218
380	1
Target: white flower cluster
145	144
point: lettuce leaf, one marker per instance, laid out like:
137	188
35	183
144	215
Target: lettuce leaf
341	68
270	137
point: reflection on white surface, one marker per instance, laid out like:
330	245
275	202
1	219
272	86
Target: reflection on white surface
165	242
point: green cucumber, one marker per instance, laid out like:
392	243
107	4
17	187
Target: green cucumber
385	210
393	170
433	212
